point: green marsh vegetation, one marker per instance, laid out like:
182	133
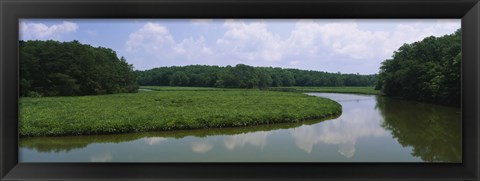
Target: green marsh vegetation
166	110
175	88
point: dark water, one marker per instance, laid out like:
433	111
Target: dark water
370	129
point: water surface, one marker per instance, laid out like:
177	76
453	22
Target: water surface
370	129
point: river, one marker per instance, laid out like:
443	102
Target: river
370	129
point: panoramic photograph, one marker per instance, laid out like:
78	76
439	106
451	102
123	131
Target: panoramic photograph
240	90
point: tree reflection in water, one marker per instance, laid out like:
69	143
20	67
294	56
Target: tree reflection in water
433	131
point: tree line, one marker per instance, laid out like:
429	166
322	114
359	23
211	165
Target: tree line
245	76
52	68
427	70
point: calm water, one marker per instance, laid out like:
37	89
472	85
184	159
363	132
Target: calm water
370	129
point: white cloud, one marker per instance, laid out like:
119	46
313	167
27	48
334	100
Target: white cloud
320	41
193	48
250	42
309	44
91	33
308	40
156	40
151	38
409	33
346	38
42	31
201	21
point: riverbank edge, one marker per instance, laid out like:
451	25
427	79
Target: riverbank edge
310	118
32	142
340	90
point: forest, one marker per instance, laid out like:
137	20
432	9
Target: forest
427	70
52	68
245	76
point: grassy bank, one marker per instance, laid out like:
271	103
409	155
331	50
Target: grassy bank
351	90
67	143
166	110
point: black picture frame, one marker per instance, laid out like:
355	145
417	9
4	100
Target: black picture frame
11	11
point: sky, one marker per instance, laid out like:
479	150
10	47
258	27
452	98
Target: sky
331	45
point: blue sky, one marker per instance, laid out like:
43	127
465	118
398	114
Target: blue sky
347	46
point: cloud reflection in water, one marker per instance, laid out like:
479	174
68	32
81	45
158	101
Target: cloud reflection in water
240	140
201	147
104	157
343	131
155	140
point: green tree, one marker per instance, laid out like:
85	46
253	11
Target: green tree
179	79
245	76
52	68
428	70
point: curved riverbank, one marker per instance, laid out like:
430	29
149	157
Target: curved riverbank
370	129
345	90
67	143
166	110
